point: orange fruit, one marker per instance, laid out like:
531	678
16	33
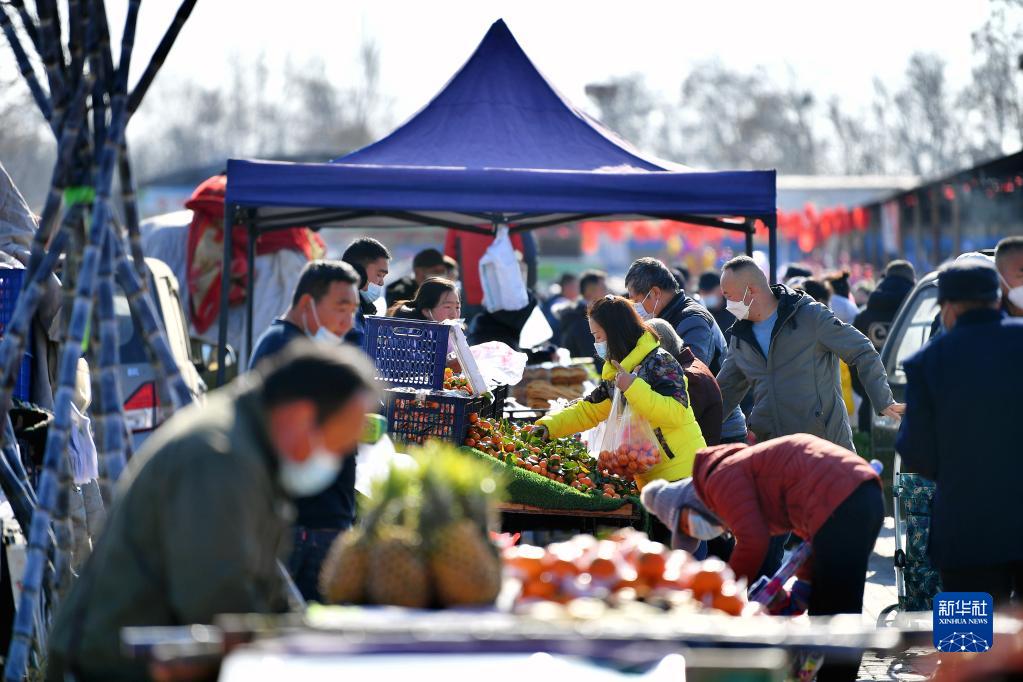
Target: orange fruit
706	582
543	587
524	561
729	600
650	562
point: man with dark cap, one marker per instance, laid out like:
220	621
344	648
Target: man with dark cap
426	264
962	429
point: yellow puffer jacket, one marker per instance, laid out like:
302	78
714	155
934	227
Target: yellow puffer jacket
659	394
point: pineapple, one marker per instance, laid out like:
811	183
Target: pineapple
398	575
344	572
465	564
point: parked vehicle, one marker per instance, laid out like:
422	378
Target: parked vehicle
144	407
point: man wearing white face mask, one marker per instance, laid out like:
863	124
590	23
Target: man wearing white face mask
1009	261
371	260
322	309
202	511
785	348
654	292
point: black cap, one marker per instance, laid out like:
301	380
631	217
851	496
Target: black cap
968	280
709	281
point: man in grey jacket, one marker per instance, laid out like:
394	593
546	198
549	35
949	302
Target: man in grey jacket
785	347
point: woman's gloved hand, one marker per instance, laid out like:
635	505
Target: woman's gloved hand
541	432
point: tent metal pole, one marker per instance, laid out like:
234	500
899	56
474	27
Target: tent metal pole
771	222
250	285
750	229
225	292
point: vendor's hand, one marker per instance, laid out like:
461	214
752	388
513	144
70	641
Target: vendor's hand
624	379
541	432
895	410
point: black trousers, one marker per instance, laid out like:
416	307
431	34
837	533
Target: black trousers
998	580
841	551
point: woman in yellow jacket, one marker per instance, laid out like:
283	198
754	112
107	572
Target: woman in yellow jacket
651	381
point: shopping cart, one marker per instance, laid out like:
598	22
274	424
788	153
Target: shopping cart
916	580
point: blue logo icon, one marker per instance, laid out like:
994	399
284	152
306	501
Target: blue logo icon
963	622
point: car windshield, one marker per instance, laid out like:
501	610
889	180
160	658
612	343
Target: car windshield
916	329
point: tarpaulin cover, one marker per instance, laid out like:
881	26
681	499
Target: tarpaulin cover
498	139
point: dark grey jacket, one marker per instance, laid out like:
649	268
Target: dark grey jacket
796	385
197	527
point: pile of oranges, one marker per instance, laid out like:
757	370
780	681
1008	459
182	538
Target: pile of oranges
627	564
627	459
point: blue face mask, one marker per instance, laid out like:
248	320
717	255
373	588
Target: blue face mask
601	348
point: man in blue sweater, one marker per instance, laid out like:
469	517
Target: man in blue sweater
322	308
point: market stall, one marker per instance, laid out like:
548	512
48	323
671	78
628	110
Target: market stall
497	146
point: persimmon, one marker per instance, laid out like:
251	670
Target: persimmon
650	562
525	561
706	582
729	600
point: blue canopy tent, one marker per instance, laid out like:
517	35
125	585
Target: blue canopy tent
497	145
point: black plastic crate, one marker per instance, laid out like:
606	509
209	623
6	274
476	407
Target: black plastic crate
496	409
416	416
407	352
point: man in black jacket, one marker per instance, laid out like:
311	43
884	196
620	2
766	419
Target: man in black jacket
876	319
962	430
575	327
371	260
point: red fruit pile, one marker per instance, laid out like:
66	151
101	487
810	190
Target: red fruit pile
627	459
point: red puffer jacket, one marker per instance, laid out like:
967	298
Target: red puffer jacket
788	484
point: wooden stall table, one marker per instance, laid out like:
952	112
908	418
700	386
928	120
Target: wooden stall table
517	517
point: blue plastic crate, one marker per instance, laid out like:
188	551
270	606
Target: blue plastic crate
407	352
417	416
10	287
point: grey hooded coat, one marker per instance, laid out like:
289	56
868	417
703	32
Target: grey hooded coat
795	382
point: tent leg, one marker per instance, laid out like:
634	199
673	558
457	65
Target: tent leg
772	247
750	228
225	293
250	288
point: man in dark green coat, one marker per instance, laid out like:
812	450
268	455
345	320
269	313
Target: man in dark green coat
202	515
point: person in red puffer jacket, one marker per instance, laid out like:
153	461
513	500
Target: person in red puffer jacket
802	484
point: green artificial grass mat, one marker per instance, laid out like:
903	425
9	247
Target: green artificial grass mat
525	487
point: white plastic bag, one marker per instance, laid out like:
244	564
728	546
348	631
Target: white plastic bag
503	285
498	363
536	330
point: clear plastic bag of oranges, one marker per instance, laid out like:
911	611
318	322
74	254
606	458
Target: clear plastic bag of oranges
629	445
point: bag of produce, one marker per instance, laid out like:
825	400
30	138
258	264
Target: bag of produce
629	445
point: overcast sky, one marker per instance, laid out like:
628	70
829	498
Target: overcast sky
832	47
